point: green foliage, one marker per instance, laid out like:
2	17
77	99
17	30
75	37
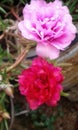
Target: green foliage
4	125
3	25
4	55
7	1
41	120
13	1
23	1
2	10
72	5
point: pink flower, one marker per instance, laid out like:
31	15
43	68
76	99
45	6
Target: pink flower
41	83
50	25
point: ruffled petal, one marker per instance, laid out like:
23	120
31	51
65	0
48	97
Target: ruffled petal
24	31
47	51
33	104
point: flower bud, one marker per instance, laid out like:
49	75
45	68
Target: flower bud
9	91
6	115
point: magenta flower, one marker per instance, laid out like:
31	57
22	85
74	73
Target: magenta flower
41	83
50	25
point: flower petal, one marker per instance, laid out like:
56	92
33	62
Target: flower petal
47	51
24	31
33	104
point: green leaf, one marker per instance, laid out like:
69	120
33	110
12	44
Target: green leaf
6	124
73	5
3	24
7	1
2	10
64	94
75	17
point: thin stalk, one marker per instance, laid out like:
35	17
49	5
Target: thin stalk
2	98
12	112
6	124
19	59
2	126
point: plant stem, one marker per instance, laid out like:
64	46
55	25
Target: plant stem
19	59
6	124
14	13
12	112
2	98
2	126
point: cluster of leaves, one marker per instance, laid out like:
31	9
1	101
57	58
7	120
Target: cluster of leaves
41	121
5	57
12	2
3	25
73	7
4	123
